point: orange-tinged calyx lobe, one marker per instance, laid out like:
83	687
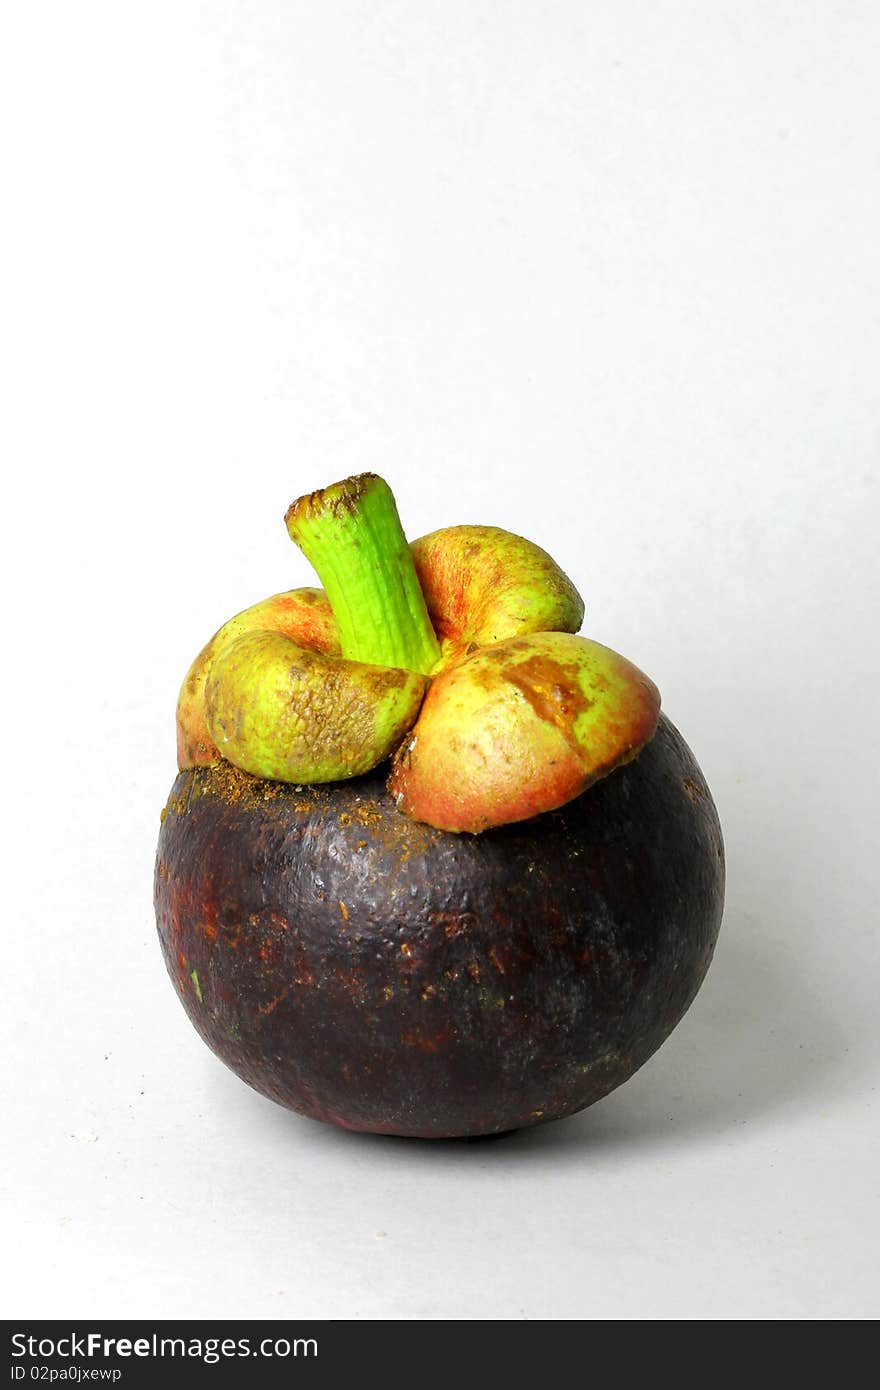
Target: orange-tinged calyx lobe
520	728
483	585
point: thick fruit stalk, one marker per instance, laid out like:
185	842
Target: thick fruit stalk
352	535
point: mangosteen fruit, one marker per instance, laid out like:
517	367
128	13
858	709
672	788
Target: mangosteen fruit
490	932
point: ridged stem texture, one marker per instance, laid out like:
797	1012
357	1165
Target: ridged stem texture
351	534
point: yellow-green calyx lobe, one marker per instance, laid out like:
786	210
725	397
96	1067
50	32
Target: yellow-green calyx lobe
483	585
302	615
352	535
312	686
291	715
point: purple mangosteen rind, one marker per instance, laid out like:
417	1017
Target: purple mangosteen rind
381	974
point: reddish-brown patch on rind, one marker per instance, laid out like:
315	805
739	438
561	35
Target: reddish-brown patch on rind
602	915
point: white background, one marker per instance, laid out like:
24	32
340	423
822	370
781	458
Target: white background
602	273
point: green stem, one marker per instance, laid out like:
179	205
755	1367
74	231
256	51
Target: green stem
352	535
